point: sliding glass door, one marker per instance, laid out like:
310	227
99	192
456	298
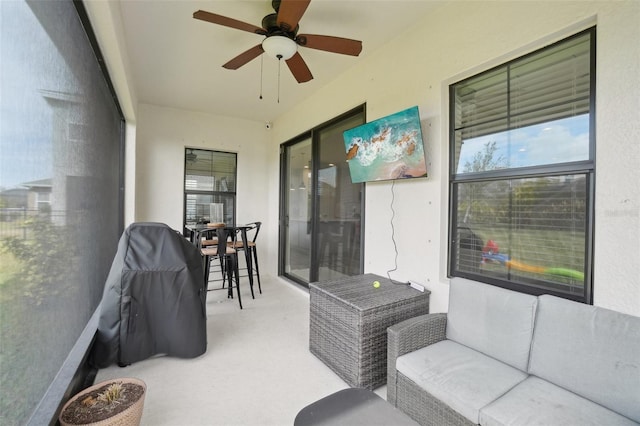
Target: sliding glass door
321	210
297	193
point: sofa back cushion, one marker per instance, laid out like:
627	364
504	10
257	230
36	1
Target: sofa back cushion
590	351
491	320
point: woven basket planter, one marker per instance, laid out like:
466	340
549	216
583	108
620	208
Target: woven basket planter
129	417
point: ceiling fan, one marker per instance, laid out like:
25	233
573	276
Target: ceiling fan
282	39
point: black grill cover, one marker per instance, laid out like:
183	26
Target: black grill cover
154	299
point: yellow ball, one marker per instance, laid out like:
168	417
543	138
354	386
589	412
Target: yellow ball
376	284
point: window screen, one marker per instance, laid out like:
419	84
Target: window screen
60	194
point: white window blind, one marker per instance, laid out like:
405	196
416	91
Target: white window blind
210	170
209	178
549	86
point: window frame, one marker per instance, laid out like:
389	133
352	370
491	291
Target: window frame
232	194
314	135
586	167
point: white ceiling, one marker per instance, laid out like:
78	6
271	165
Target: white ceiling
177	60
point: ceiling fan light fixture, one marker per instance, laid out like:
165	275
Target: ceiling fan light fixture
279	47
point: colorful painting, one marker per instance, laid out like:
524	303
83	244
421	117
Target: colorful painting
388	148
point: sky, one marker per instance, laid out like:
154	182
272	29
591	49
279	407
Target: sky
26	119
559	141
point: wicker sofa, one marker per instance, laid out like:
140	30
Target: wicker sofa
499	357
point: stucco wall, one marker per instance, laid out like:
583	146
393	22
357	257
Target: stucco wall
452	42
163	134
455	41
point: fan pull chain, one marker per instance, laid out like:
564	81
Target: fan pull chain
279	63
261	66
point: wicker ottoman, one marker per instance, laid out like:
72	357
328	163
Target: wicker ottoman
348	324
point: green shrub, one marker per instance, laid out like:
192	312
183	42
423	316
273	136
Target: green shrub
45	257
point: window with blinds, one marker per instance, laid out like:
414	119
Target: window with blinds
522	172
209	187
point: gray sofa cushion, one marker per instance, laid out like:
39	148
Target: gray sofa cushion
492	320
538	402
462	378
591	351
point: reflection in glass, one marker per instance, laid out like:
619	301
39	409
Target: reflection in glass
60	203
524	230
559	141
533	111
339	204
298	180
209	181
322	207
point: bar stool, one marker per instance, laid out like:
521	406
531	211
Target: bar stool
207	238
251	250
227	255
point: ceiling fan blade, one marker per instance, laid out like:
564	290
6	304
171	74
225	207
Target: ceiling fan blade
227	22
346	46
290	12
244	57
299	68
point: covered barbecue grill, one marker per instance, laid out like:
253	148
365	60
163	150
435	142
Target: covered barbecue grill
154	299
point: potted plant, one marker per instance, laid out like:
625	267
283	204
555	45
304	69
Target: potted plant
115	401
